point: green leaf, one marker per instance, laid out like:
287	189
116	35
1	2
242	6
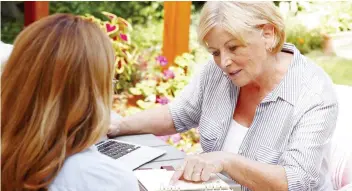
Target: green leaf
135	91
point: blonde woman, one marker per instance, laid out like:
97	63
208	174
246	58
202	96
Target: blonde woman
56	97
265	113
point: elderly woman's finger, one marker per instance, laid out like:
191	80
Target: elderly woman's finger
187	175
197	171
206	173
178	173
196	176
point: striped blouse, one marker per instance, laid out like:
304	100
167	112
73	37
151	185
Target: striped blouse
292	126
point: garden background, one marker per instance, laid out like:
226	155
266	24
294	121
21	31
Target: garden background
320	30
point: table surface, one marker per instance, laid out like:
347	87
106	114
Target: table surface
172	157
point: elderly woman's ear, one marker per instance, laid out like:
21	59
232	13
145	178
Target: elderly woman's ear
269	37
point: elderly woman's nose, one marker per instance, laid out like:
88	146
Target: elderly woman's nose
226	62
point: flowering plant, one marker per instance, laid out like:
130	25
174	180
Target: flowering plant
159	86
144	80
127	54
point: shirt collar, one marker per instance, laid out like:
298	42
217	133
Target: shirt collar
290	84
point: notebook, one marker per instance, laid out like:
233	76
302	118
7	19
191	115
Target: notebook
159	179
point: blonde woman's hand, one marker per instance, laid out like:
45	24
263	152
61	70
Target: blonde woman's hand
200	167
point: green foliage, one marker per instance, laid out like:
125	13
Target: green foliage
149	36
339	17
308	22
339	69
303	38
10	29
137	12
300	28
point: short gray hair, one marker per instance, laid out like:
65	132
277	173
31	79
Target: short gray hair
239	18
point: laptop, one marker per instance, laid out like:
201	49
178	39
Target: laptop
131	155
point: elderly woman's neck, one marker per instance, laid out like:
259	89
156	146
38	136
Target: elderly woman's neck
274	71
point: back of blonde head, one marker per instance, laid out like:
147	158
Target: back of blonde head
240	18
55	98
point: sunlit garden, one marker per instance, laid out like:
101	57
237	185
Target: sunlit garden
146	78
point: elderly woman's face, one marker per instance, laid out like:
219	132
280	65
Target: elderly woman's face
243	64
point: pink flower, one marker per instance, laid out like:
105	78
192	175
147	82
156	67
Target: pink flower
162	60
110	28
175	138
162	100
124	37
169	74
164	138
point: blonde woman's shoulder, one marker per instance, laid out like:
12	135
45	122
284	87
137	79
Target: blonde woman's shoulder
91	171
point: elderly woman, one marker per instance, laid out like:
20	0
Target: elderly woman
265	113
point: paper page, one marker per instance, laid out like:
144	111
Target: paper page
159	179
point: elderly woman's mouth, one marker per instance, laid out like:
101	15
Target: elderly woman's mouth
235	73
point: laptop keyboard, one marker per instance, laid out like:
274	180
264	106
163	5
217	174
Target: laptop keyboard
115	149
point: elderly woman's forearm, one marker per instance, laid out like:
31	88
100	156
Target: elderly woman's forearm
156	121
255	175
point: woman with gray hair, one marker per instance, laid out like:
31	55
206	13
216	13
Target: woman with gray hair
265	113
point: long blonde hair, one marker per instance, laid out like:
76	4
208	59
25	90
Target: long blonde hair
56	97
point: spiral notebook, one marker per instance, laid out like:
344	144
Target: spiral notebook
159	179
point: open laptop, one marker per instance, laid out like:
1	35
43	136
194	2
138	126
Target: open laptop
131	155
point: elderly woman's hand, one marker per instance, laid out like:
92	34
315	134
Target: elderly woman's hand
114	128
200	167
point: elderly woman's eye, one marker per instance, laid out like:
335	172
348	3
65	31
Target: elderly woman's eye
216	53
232	48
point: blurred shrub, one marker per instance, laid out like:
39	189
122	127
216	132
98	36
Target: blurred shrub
136	12
302	27
10	29
11	20
303	38
149	36
308	22
337	17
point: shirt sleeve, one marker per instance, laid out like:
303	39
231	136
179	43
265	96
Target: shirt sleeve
310	139
186	109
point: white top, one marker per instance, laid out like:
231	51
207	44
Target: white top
5	52
90	170
234	137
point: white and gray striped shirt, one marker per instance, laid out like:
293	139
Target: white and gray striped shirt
292	126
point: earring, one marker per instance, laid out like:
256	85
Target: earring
270	49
